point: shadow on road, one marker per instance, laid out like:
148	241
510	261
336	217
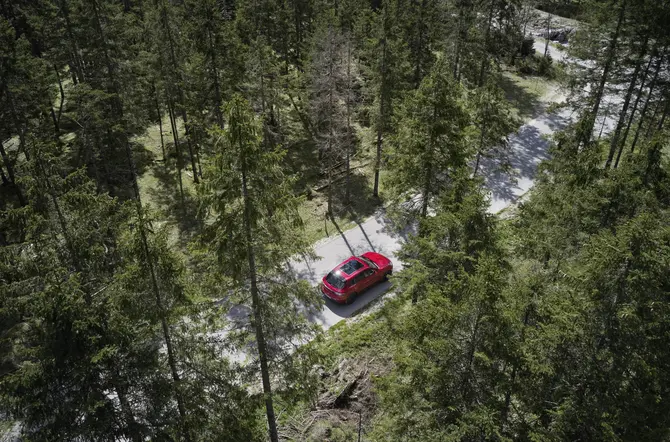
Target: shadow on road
528	148
344	237
346	311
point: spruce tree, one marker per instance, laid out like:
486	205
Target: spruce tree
430	151
255	229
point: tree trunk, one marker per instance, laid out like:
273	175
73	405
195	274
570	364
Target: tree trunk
485	58
5	180
614	143
349	140
20	129
61	218
77	66
471	353
643	112
427	185
650	125
418	54
257	313
175	137
62	99
172	362
121	389
587	126
12	177
546	43
160	122
215	76
460	39
640	91
382	118
180	93
189	143
479	151
306	124
661	122
515	367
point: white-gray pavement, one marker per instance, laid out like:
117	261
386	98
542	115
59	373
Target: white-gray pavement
528	148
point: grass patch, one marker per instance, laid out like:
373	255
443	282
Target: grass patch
159	183
525	94
302	157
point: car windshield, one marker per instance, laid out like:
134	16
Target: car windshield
369	262
335	279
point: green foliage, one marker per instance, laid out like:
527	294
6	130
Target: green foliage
553	327
493	121
429	152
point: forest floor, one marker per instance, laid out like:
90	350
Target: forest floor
359	344
159	181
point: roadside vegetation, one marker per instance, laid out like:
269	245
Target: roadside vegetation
162	162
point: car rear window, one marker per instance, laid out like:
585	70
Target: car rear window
335	280
351	266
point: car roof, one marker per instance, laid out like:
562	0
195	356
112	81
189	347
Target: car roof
348	265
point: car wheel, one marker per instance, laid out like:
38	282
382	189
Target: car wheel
387	274
351	298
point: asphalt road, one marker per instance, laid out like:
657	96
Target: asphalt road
529	146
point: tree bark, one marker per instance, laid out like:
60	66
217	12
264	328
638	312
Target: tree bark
419	44
215	74
485	58
515	367
62	99
12	177
172	362
17	125
175	137
640	91
587	126
546	43
256	306
160	121
349	140
382	109
180	93
614	143
643	112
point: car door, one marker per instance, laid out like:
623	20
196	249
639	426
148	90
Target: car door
367	279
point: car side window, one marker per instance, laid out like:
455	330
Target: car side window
368	273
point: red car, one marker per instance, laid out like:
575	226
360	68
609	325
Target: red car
355	275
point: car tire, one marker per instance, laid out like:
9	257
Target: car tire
387	274
351	298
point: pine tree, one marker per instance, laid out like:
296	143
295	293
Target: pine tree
429	152
255	230
493	121
329	91
387	55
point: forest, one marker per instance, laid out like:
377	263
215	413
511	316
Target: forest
176	174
